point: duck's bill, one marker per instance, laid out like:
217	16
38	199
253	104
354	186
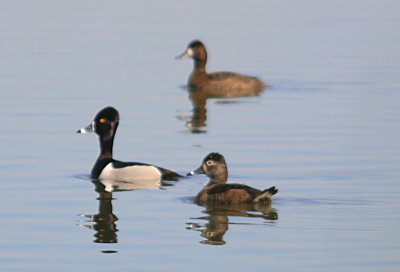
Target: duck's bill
187	54
88	129
198	171
181	56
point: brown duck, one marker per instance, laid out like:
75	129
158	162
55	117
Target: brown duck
219	84
218	191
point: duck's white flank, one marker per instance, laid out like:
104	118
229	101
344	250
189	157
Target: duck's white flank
130	173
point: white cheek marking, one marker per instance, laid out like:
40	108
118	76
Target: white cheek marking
189	52
130	173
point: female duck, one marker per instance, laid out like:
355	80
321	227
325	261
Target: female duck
218	191
105	125
220	84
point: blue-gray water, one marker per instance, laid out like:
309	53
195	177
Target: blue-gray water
326	133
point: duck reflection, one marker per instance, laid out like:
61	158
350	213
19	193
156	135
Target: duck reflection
197	121
218	219
104	222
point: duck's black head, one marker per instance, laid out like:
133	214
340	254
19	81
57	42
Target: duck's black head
106	121
105	125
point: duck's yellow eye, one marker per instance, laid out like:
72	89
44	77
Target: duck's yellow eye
103	120
209	162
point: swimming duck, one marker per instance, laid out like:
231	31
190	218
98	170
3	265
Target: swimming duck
220	84
105	125
218	191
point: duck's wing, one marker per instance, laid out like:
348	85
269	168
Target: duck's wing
122	164
224	188
223	76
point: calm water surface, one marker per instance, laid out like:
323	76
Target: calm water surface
326	133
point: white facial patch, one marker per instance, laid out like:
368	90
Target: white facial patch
189	52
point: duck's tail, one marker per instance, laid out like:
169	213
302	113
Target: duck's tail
258	85
169	175
266	195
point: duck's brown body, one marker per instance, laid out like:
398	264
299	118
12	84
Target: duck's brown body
234	193
225	84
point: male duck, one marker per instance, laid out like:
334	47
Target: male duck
105	125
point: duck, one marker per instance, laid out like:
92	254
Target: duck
218	191
218	84
105	125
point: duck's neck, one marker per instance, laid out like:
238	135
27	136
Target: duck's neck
199	75
106	147
219	178
200	63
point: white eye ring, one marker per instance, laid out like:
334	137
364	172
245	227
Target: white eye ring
209	162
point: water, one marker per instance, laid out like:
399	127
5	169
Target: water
326	134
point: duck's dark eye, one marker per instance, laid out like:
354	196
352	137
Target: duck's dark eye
102	120
209	162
